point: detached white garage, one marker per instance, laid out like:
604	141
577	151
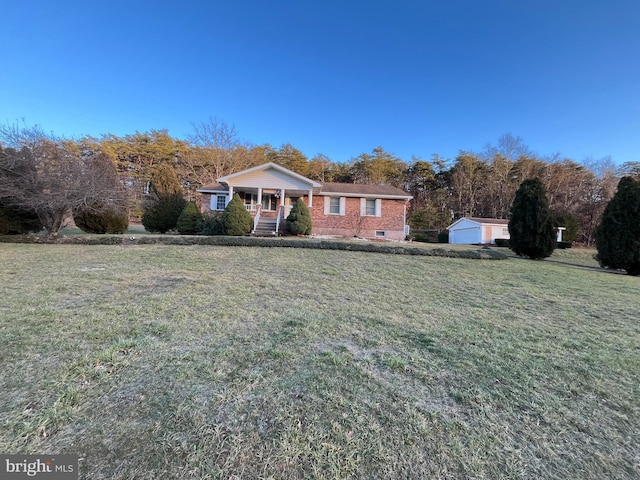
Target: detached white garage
478	230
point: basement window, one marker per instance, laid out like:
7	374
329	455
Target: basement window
380	233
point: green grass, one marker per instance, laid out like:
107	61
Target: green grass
156	361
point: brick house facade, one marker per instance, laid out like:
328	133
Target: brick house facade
337	209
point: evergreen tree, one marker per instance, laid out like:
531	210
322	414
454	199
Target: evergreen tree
189	220
164	180
98	219
236	220
165	202
618	235
16	220
531	224
161	215
299	219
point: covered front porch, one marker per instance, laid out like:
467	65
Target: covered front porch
270	207
269	192
270	201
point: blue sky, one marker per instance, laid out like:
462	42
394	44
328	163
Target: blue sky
333	77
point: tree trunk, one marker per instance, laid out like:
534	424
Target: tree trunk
53	220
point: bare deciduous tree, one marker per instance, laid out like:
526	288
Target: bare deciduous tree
52	176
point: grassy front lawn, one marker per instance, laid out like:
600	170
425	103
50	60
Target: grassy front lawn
155	361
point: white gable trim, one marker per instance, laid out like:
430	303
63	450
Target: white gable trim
273	166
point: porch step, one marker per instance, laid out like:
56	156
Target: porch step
266	228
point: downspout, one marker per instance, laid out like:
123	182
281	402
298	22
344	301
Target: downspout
404	219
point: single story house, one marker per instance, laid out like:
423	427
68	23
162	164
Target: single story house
472	230
269	191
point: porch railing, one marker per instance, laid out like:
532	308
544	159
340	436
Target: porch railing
256	218
280	214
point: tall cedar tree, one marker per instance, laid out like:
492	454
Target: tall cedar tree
165	202
618	235
163	214
236	220
189	221
531	224
299	219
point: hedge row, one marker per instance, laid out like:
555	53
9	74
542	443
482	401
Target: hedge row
389	248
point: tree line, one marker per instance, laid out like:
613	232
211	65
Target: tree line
51	176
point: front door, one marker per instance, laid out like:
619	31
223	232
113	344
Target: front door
269	202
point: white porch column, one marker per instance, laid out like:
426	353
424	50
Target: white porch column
282	192
230	194
310	199
259	202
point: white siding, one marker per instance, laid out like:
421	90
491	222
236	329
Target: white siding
268	179
500	231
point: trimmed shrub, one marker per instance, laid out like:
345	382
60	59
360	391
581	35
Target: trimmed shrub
531	225
100	220
502	242
161	214
17	221
618	235
299	219
236	220
210	224
443	236
421	237
189	220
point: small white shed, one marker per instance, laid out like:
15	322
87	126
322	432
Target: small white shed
472	230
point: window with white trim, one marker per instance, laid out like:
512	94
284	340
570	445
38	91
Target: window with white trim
380	233
334	205
218	201
371	207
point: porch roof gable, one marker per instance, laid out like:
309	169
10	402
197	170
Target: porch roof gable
269	172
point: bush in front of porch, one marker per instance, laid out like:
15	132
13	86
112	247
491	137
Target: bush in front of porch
299	219
235	218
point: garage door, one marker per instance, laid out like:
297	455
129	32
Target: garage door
464	235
